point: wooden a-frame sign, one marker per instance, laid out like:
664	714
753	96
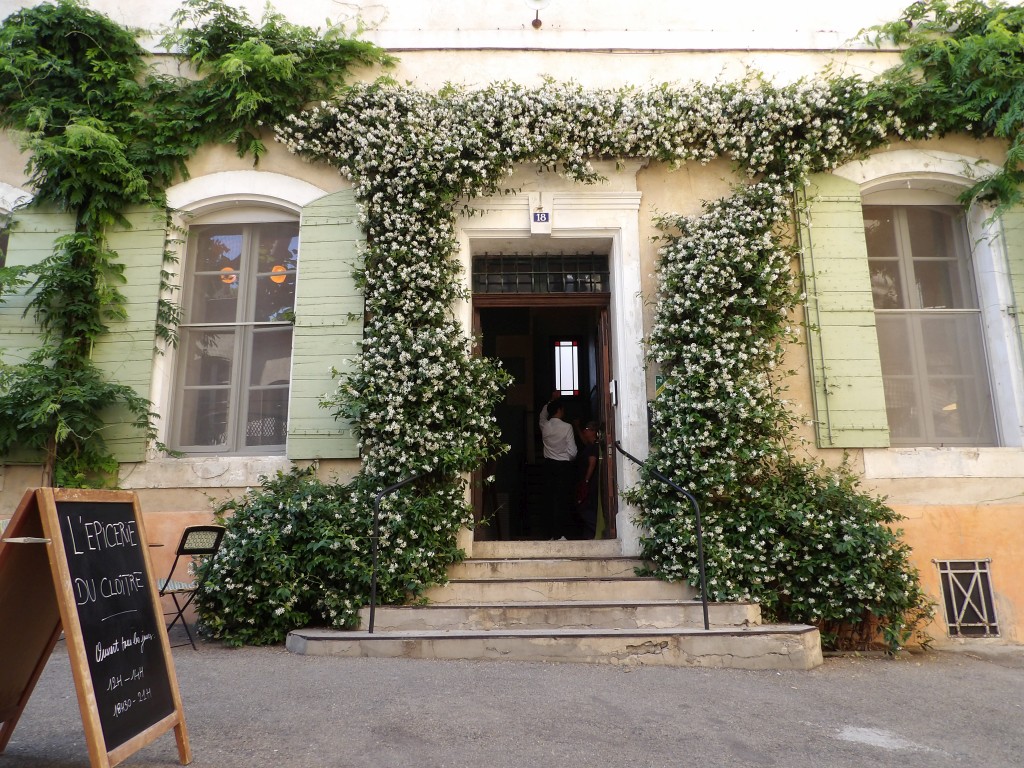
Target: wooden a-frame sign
77	561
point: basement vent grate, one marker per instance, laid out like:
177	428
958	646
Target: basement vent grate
967	597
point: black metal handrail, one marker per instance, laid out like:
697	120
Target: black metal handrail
375	542
700	531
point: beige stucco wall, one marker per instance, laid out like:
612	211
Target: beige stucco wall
12	161
216	159
971	532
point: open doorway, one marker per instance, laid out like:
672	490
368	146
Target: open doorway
547	343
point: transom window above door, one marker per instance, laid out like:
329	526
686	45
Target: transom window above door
540	274
235	342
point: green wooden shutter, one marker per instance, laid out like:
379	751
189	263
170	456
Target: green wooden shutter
849	401
328	325
125	355
1013	237
34	232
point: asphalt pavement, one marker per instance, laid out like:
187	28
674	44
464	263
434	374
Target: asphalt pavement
265	707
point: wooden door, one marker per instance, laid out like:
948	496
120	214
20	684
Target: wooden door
610	495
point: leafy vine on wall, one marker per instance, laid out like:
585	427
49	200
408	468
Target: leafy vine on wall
104	133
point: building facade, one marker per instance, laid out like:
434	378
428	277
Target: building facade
911	365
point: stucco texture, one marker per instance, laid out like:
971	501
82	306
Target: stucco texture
970	532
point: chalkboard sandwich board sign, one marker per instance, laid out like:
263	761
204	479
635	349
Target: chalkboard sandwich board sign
78	561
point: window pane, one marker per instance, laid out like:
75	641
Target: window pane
903	409
520	273
957	382
214	298
894	344
951	343
267	415
204	418
567	369
902	394
218	247
938	285
886	285
880	231
277	248
217	278
271	356
931	230
209	357
939	271
267	420
886	281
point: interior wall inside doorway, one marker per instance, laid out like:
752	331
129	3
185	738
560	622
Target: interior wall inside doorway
523	338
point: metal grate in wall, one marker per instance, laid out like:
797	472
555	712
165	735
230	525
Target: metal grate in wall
967	597
540	274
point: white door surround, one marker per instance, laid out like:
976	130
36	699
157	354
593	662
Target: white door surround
580	214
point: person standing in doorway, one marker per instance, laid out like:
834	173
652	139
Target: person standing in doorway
560	465
586	487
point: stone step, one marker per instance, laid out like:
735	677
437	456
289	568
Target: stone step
529	549
618	589
552	616
544	567
758	647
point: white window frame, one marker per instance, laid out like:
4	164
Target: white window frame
946	175
908	198
244	335
213	196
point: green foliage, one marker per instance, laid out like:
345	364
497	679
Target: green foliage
962	71
54	403
74	82
800	539
103	134
258	75
49	408
297	552
725	293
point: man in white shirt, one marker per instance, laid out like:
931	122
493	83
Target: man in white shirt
559	461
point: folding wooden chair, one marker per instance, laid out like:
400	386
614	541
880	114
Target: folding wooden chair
195	540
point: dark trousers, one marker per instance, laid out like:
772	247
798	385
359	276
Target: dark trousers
587	511
560	517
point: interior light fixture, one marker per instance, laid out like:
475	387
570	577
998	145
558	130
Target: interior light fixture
536	6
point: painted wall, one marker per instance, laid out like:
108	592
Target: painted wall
993	531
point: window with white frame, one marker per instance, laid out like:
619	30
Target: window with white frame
235	346
930	327
567	367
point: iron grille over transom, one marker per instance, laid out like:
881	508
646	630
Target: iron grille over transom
967	598
540	274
